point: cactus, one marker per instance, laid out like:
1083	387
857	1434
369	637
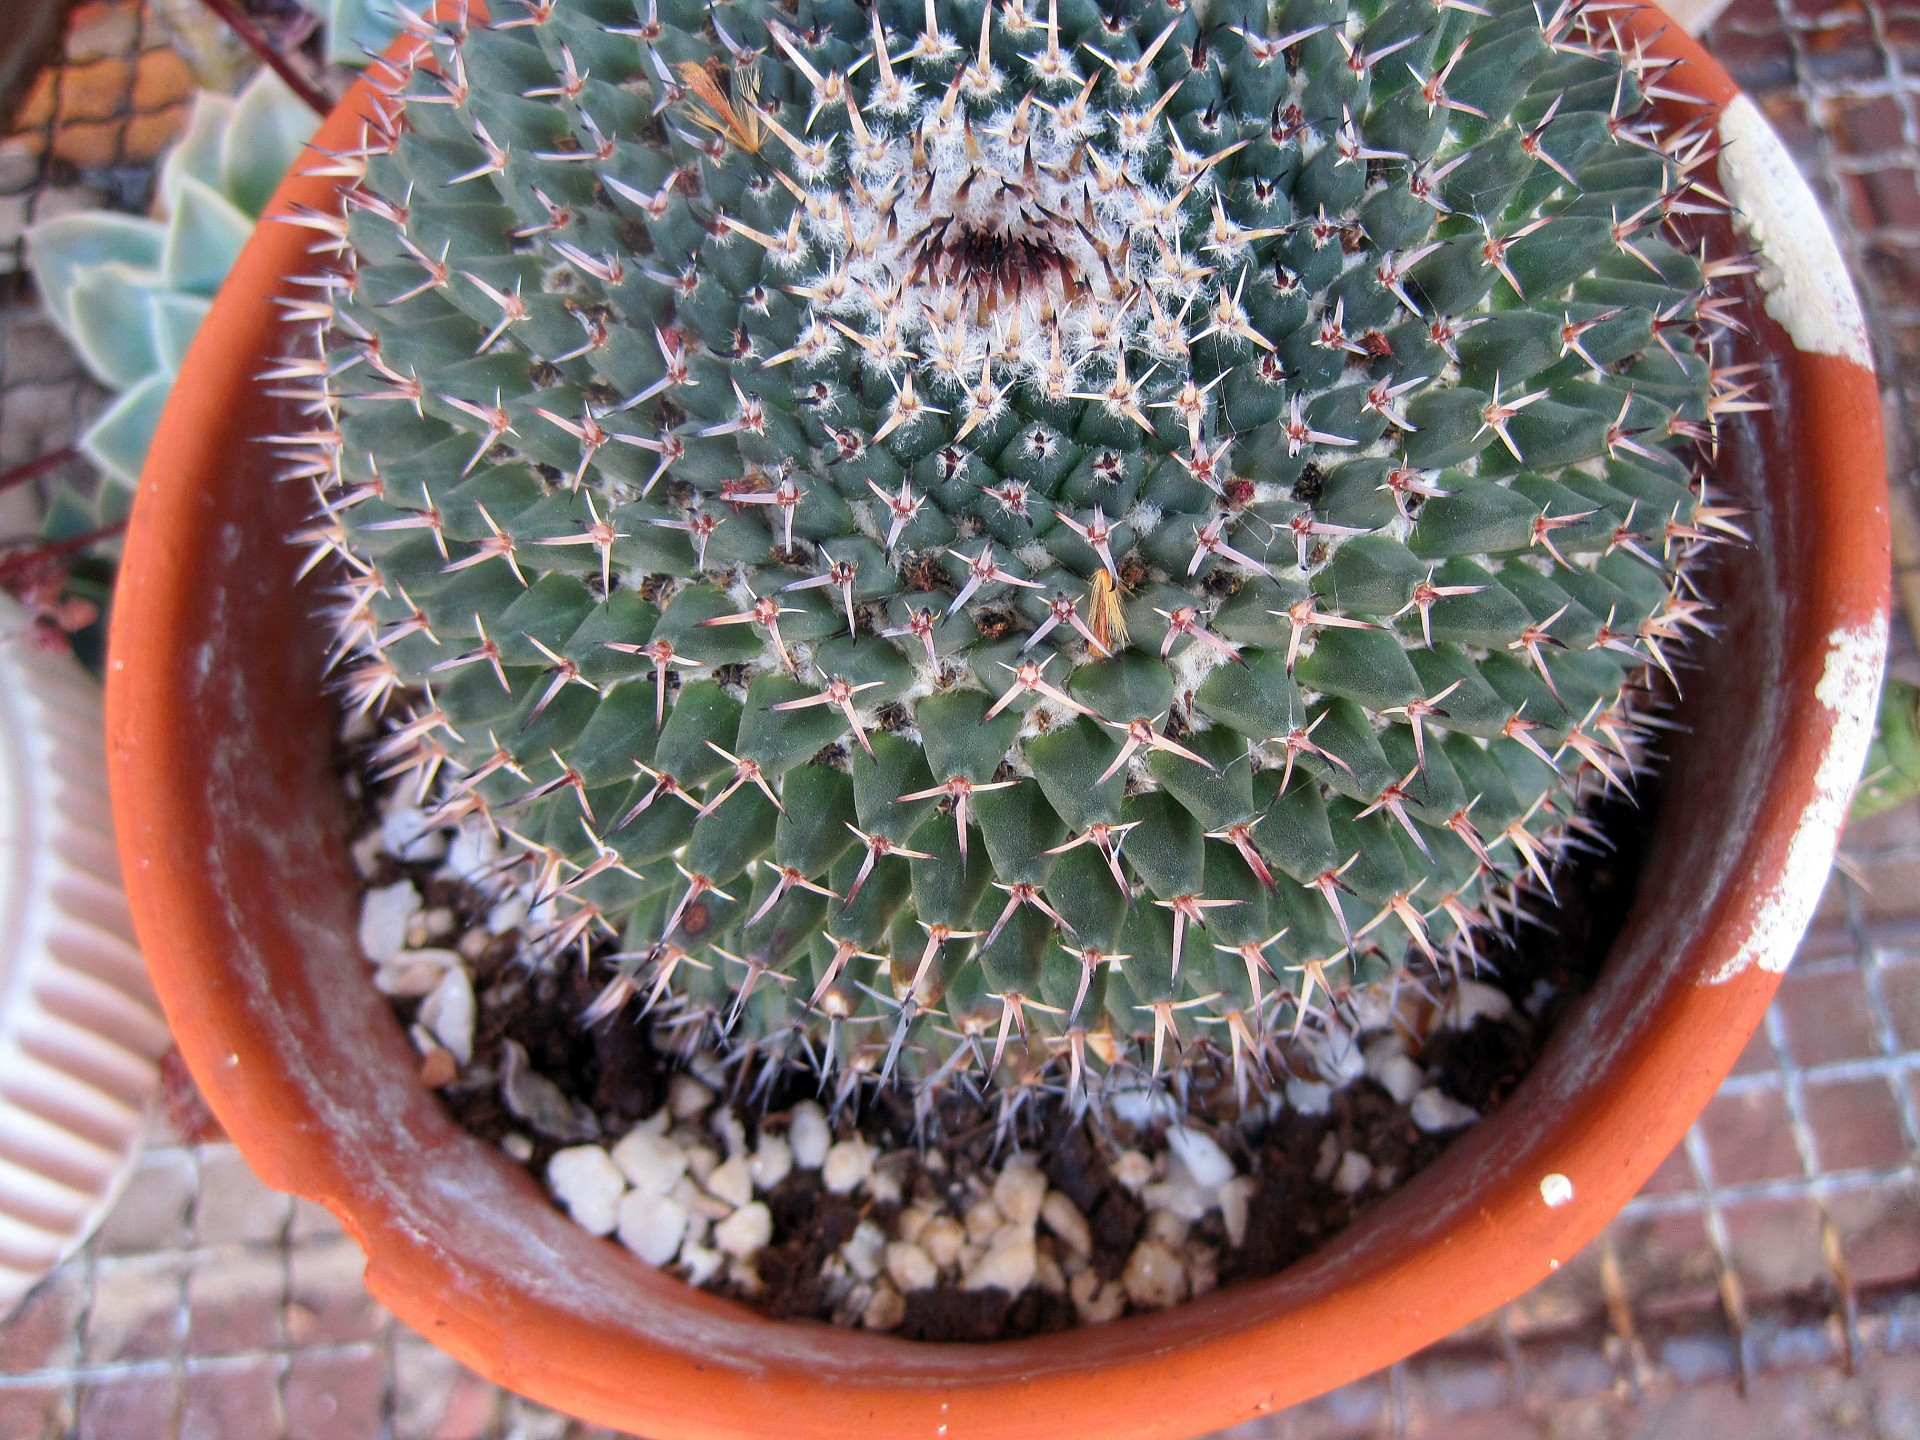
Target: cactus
1029	540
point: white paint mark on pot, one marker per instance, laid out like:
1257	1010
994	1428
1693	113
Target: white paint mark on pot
1556	1189
1801	273
1849	688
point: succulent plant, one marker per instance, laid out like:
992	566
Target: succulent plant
959	532
129	291
355	29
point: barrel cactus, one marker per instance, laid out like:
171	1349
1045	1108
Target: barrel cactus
1028	541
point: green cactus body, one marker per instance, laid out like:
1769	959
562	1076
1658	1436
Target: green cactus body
957	532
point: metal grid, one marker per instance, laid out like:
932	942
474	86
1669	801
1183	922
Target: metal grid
1776	1255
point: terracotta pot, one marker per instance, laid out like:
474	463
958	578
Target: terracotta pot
235	839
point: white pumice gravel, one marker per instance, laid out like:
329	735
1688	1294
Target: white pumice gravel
866	1250
1390	1067
1133	1170
1434	1111
450	1010
731	1181
847	1164
746	1231
1350	1177
650	1161
772	1162
1008	1263
1234	1197
1154	1277
1309	1097
651	1225
384	913
586	1181
809	1136
1475	999
1207	1164
910	1267
942	1238
1064	1219
687	1098
1020	1190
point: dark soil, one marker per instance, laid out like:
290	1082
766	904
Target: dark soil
617	1071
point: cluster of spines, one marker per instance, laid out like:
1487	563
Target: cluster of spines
1239	737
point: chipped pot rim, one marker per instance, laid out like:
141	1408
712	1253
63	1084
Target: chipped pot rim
317	1085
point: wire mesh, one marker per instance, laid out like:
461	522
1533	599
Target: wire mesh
1776	1254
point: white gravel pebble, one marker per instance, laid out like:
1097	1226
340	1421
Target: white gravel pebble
942	1238
1167	1228
652	1226
537	1100
408	978
702	1160
1008	1264
1133	1170
687	1098
885	1310
1097	1304
732	1181
1392	1069
772	1162
1473	1000
410	836
1354	1172
1154	1277
1233	1197
475	847
745	1231
1205	1161
1064	1219
702	1263
1179	1195
983	1217
583	1178
509	914
367	852
1433	1112
846	1165
726	1125
1337	1056
651	1162
808	1135
1309	1097
450	1011
1047	1273
912	1221
1020	1189
910	1267
383	920
866	1250
883	1183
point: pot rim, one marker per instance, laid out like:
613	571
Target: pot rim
1545	1172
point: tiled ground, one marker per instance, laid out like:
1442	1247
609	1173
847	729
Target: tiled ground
1765	1284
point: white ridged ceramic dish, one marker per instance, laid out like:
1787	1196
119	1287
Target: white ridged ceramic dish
80	1033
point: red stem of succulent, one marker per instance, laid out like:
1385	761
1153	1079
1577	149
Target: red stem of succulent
257	40
33	469
54	549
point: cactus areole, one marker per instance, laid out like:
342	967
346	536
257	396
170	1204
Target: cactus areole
1036	540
